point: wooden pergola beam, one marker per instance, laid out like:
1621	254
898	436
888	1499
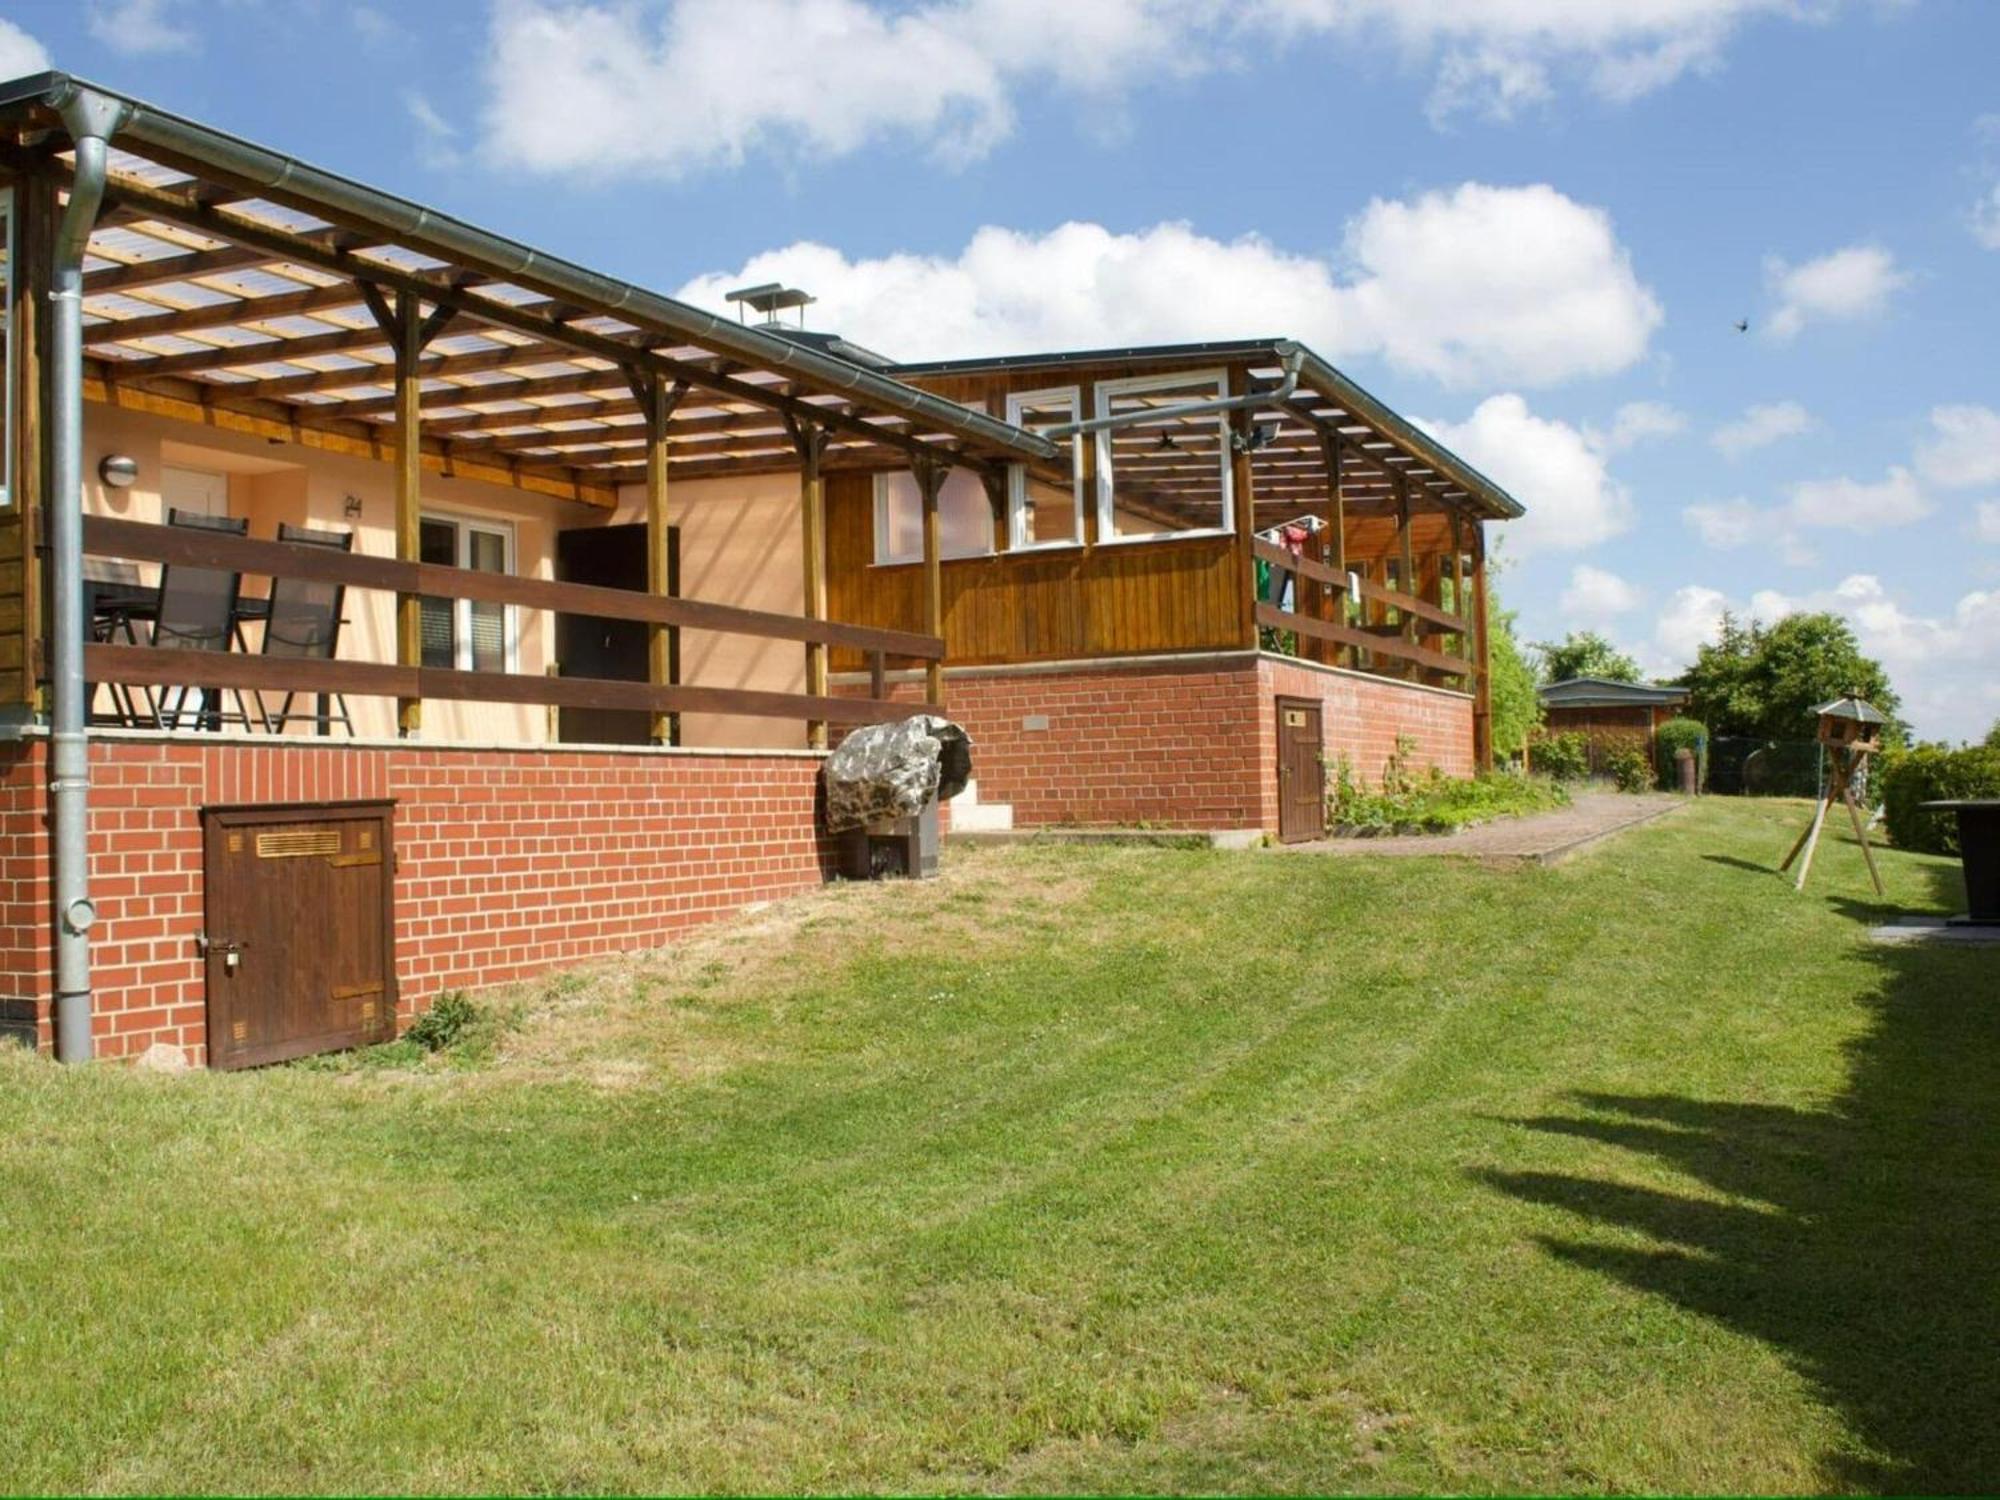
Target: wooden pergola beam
639	348
238	310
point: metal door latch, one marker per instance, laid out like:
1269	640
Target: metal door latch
232	952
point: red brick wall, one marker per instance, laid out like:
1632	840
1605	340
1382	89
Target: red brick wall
1362	718
1188	748
509	862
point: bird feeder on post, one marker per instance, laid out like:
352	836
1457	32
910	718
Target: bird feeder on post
1850	729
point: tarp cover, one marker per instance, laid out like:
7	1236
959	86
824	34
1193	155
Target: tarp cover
886	771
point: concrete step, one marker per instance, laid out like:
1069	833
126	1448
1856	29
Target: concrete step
970	815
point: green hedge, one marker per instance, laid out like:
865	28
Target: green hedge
1672	736
1928	774
1561	757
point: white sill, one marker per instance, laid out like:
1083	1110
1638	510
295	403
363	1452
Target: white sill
1163	536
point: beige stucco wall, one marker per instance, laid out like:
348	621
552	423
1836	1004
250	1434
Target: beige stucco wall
739	544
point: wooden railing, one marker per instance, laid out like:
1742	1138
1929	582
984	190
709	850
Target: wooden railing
146	666
1416	616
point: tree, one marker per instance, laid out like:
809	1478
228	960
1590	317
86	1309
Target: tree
1585	653
1517	709
1765	681
1993	736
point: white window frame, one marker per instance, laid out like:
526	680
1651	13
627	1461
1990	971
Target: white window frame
463	526
1107	525
7	365
1019	536
884	556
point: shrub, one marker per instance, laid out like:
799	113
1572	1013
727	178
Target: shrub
1433	802
444	1023
1628	765
1677	734
1930	773
1562	757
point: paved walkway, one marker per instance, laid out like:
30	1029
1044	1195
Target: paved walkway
1545	838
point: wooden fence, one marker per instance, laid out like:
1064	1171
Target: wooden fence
148	666
1392	641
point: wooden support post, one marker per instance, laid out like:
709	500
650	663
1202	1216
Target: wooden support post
1243	512
407	326
1482	689
657	400
409	331
811	444
1460	645
1406	572
1334	549
930	479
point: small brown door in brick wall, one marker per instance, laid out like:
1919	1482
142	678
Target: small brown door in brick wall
1301	781
298	930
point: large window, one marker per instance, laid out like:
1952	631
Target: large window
7	345
965	517
1168	476
469	635
1041	514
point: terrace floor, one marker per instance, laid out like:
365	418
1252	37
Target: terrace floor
1076	1169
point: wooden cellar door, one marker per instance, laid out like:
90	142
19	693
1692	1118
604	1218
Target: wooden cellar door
1301	779
298	930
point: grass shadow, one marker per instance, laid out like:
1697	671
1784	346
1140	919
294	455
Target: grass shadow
1858	1240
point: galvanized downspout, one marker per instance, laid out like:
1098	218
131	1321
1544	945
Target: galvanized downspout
90	120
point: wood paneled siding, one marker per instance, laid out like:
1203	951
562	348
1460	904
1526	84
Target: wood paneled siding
19	593
1052	605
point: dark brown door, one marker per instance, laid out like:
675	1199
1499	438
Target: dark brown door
1301	780
611	557
298	928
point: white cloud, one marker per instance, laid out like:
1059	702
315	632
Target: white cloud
675	86
1946	667
1490	285
139	28
1854	505
437	137
1838	504
1637	422
1595	595
1985	220
1692	617
1572	501
20	54
1760	426
1855	282
1725	524
1965	450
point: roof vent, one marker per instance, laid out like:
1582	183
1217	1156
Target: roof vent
770	299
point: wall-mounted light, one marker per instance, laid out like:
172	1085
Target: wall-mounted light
118	471
351	507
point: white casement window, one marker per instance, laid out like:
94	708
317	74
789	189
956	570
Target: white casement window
1040	514
1165	478
965	517
7	344
468	635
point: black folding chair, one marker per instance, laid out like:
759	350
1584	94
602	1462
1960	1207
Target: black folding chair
197	612
304	624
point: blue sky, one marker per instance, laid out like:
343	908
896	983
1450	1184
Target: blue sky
1531	224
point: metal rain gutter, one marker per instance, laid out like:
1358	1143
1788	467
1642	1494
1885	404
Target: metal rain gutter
564	280
91	119
1337	388
1269	396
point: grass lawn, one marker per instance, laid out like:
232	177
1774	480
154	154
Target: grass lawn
1075	1169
